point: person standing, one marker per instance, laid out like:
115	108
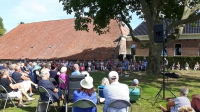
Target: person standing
115	91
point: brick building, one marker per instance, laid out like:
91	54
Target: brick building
58	39
187	45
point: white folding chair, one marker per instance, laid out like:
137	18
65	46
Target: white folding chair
84	103
119	104
4	96
42	90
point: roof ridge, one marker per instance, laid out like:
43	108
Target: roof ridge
47	21
139	25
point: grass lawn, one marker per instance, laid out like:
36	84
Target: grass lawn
150	87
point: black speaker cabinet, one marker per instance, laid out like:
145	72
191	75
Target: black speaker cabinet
160	33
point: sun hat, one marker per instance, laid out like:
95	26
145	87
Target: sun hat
87	82
135	82
85	73
113	74
63	69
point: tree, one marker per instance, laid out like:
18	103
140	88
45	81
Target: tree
2	29
21	23
100	12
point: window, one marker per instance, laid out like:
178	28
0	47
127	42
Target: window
133	49
177	50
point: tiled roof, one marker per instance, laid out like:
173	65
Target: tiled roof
188	29
59	39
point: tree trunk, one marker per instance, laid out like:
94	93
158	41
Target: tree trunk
155	58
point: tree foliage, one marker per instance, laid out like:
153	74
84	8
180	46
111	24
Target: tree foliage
2	29
100	12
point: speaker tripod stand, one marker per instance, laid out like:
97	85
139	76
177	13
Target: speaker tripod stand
163	87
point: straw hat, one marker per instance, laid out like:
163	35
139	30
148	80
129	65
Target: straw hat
87	82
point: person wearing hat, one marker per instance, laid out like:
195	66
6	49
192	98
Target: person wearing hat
64	77
55	93
182	100
86	91
115	91
134	89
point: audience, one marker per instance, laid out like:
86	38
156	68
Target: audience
76	70
187	66
196	102
115	91
86	91
53	72
64	77
186	109
14	90
196	66
22	78
134	89
55	93
173	105
104	83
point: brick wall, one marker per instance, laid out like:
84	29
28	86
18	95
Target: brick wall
189	47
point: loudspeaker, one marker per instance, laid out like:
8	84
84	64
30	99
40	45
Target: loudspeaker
73	85
160	33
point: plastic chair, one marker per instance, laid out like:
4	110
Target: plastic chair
4	96
42	90
84	103
14	82
119	104
100	91
55	83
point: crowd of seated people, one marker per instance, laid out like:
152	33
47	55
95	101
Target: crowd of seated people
14	89
177	66
24	75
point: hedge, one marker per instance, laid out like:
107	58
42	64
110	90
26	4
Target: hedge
181	59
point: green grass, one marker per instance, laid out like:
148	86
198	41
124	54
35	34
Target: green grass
150	87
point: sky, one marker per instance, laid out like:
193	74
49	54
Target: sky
15	11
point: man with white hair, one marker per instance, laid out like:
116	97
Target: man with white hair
182	100
115	91
76	71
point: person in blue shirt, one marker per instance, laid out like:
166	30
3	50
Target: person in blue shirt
86	91
76	71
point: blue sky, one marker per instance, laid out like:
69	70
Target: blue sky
15	11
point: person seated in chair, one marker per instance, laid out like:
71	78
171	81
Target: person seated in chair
14	90
86	91
124	67
55	93
196	102
64	77
173	105
22	78
134	89
104	83
115	91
